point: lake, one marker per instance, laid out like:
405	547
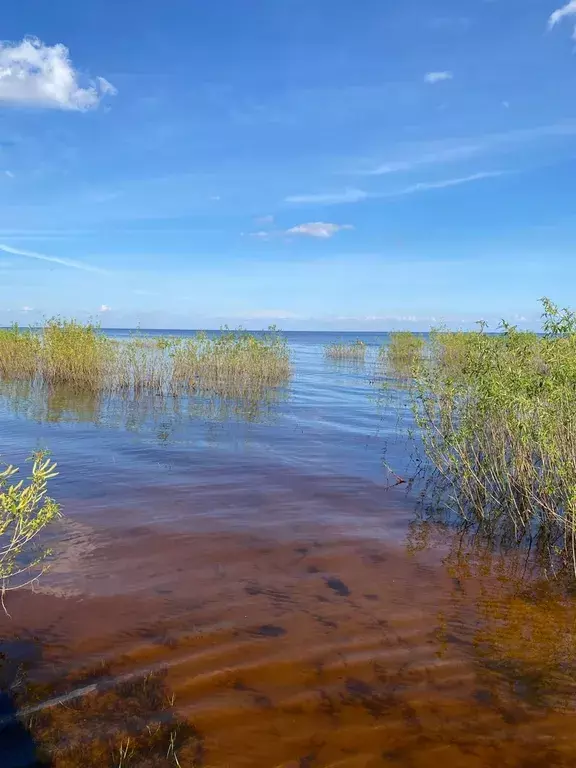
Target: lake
248	583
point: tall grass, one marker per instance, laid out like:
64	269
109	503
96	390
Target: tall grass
403	353
143	365
76	354
80	357
234	362
19	353
497	414
340	351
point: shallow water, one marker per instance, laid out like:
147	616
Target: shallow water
248	581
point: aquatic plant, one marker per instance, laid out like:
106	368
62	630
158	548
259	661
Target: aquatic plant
497	415
403	353
76	354
25	511
234	362
143	365
19	353
342	351
102	721
81	357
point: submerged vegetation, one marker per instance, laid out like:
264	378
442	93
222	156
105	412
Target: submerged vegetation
355	351
25	511
103	722
497	417
81	357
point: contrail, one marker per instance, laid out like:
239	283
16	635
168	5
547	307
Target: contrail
54	259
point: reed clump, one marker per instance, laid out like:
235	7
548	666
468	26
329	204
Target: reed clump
235	362
76	354
497	415
404	352
340	351
144	364
19	353
80	357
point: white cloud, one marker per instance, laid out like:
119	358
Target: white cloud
54	259
263	220
35	74
562	13
425	186
9	174
105	308
437	77
318	229
27	309
330	198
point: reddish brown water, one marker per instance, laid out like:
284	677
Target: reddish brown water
262	612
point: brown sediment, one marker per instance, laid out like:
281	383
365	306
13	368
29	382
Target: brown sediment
315	650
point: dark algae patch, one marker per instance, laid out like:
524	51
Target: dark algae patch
338	586
270	630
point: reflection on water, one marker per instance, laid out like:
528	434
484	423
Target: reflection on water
43	402
271	601
524	614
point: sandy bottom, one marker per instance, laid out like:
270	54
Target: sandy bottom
237	649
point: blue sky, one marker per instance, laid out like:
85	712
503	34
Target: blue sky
319	164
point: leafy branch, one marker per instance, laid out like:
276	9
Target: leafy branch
25	510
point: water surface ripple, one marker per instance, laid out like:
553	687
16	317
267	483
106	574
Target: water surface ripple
239	585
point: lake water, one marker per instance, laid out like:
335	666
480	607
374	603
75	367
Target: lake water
246	584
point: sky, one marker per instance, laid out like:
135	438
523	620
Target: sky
325	164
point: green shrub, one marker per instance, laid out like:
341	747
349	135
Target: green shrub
497	414
25	511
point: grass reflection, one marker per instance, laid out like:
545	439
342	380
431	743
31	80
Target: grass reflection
60	403
519	623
